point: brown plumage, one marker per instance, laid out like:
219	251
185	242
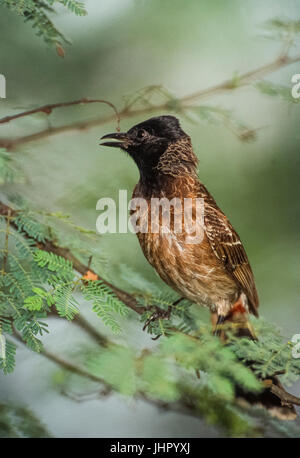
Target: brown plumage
214	272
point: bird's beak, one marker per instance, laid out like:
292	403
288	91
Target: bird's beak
123	138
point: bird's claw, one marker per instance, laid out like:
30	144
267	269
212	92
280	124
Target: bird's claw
158	314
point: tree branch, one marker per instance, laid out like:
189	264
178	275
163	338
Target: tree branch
230	84
66	365
244	79
47	109
284	396
83	324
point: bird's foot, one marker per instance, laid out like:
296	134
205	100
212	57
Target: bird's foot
219	325
158	314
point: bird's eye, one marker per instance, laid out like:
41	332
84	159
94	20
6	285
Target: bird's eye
141	133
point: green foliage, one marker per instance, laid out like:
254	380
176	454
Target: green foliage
62	267
60	276
149	96
41	225
269	356
211	114
283	29
7	354
105	302
19	422
218	412
65	303
215	115
276	90
220	116
8	172
36	12
158	378
33	281
74	6
31	227
63	284
210	356
167	375
50	217
33	303
117	367
16	283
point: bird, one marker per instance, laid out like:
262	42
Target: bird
214	271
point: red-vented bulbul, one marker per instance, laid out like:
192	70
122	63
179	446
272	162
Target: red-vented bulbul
215	272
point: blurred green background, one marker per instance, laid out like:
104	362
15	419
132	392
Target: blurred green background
120	47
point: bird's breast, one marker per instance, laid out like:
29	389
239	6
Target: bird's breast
192	269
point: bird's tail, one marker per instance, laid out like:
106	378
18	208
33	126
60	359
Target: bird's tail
274	398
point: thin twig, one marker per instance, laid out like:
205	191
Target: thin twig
230	84
8	218
47	109
83	324
244	79
64	364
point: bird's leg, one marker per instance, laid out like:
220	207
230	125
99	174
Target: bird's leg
178	300
219	324
160	314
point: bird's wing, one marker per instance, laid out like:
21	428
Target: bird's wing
227	246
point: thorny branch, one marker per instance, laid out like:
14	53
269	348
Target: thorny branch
127	112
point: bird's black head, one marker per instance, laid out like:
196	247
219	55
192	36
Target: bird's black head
148	141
